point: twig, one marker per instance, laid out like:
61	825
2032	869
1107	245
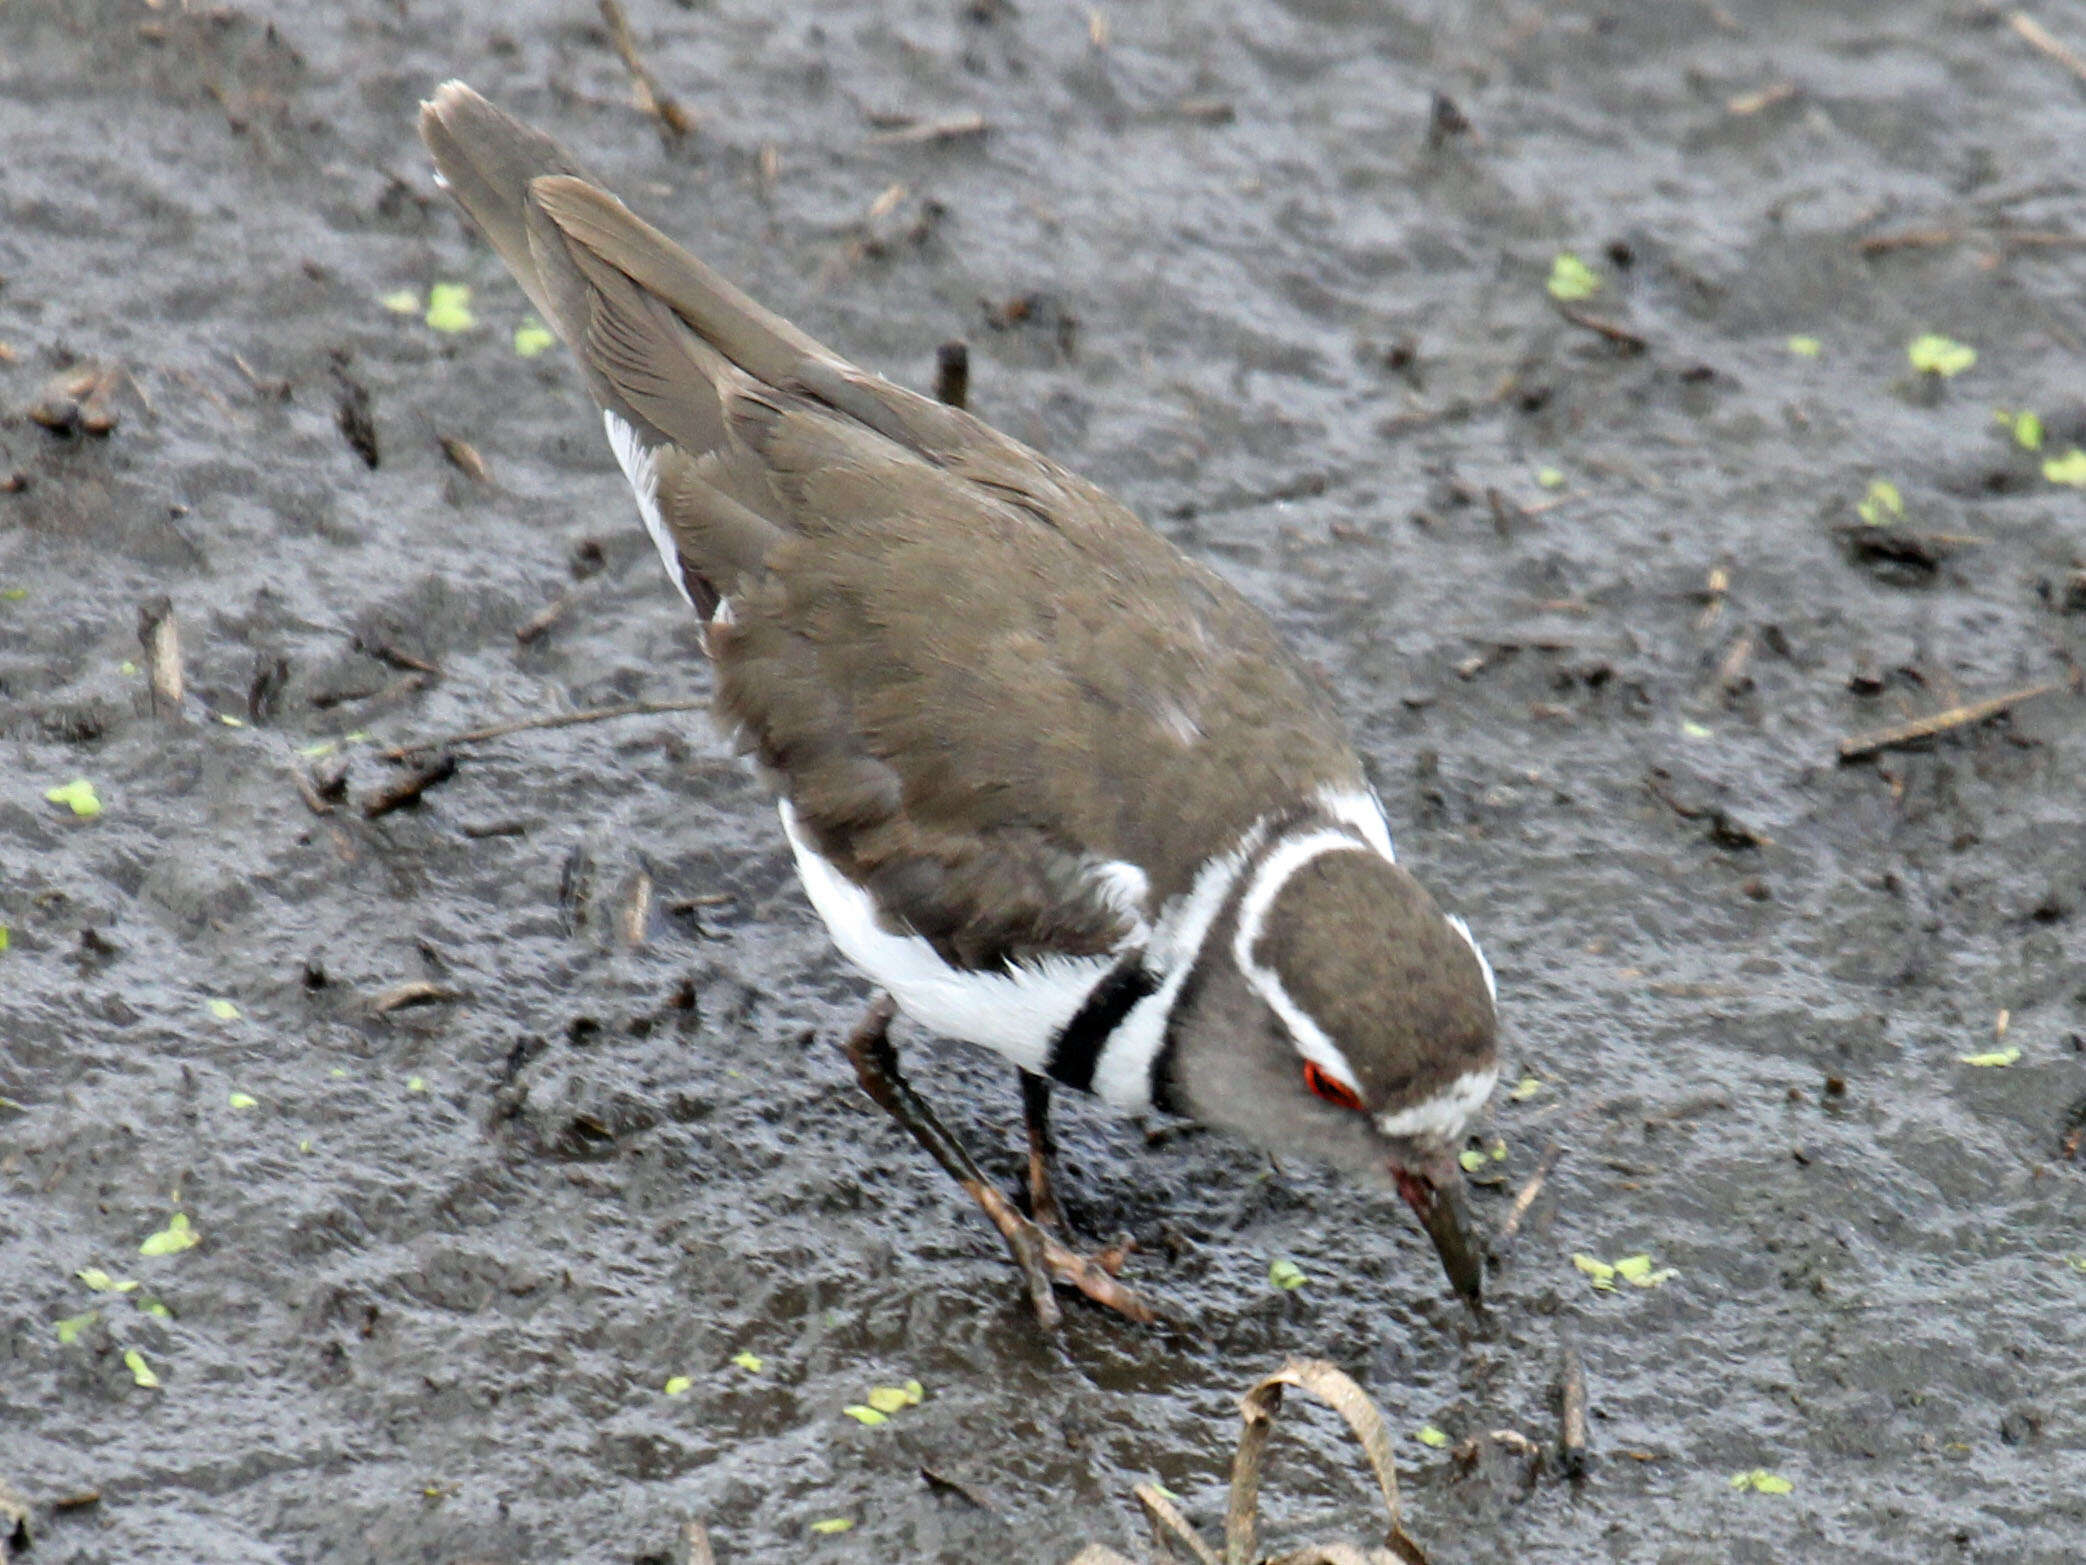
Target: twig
971	1494
1929	238
696	1537
1571	1399
1526	1197
556	720
1258	1408
310	794
2035	37
464	457
1766	98
650	100
408	789
1614	331
952	373
1167	1522
636	911
536	624
972	124
415	991
1855	746
161	634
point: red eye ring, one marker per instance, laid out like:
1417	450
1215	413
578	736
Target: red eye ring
1325	1085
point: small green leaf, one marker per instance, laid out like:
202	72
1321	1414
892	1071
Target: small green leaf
304	1145
229	720
2067	469
752	1363
1695	730
864	1415
1524	1089
1571	279
2076	1262
2005	1056
831	1525
887	1399
6	937
154	1307
1471	1159
14	594
101	1282
1761	1481
449	307
1882	505
1549	478
2026	427
78	796
416	1084
172	1239
1806	347
915	1393
1428	1435
318	749
402	301
1601	1272
69	1329
1637	1270
1933	354
677	1385
127	668
339	1073
532	337
140	1371
1286	1275
243	1100
223	1010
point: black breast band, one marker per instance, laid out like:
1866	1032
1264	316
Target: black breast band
1076	1050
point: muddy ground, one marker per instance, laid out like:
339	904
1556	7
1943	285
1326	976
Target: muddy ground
1599	604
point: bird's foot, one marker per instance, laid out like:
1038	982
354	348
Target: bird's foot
1046	1260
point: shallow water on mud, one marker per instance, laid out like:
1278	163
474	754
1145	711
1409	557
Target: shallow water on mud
453	1250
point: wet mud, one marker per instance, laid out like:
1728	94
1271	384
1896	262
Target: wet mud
495	1111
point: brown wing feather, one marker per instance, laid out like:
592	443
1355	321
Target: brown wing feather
974	675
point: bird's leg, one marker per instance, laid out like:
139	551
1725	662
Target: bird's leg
1042	1258
1035	1110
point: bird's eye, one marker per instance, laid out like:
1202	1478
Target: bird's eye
1325	1085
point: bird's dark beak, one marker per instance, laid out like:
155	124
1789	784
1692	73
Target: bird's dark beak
1436	1196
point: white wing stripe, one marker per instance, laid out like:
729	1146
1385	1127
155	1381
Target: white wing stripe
635	458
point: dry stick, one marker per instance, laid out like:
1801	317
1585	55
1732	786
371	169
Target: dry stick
1855	746
972	124
1614	331
636	911
2035	37
696	1537
1258	1407
414	991
557	720
1528	1193
464	457
536	624
1929	238
1571	1398
952	373
1167	1523
161	635
408	789
650	100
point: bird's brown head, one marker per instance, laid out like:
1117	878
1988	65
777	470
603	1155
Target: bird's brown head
1362	1030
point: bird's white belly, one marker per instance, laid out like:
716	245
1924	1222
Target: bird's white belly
1016	1013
